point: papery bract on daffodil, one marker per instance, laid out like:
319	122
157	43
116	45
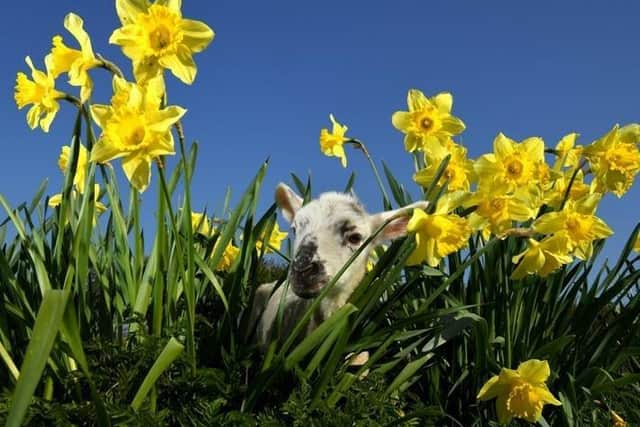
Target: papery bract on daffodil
73	61
437	235
577	221
201	224
156	36
40	92
615	159
544	257
275	240
99	207
520	393
135	127
636	244
332	143
496	211
512	165
459	171
428	120
81	168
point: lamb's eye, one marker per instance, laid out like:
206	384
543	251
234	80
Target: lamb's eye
354	238
293	230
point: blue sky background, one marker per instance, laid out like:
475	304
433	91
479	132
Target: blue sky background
276	69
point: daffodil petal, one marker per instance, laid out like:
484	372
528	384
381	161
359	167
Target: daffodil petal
138	171
196	34
534	371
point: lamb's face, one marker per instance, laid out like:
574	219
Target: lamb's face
327	232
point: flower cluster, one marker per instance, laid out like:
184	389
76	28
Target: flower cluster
510	191
137	125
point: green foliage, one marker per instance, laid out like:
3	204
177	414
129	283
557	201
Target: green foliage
434	335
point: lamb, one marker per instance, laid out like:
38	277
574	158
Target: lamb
327	231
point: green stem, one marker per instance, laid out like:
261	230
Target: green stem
360	145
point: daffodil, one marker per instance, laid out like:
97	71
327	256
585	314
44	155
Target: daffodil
520	393
275	239
459	171
554	194
156	36
568	153
81	167
332	143
512	165
437	235
496	211
73	61
578	222
228	257
615	159
428	120
56	200
40	92
136	127
617	420
544	257
201	224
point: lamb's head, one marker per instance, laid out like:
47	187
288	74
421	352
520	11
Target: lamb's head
327	231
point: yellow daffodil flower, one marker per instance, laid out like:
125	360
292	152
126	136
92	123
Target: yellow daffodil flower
73	61
512	165
615	159
332	143
496	211
40	92
543	257
459	171
428	120
81	168
156	36
437	235
555	193
99	208
578	222
521	393
568	153
228	257
275	240
617	420
136	127
201	224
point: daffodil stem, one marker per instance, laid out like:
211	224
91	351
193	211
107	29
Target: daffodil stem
360	145
110	66
565	197
72	99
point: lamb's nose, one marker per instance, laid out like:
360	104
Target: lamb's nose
306	267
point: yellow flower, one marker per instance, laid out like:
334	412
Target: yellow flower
228	257
135	127
73	61
496	211
437	235
617	420
554	193
156	36
459	171
615	159
428	120
332	143
521	393
578	222
56	200
568	154
512	165
201	224
275	239
81	168
40	92
543	257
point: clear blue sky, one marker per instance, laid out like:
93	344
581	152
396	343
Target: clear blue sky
276	69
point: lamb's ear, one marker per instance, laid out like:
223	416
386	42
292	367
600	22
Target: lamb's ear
398	227
288	201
